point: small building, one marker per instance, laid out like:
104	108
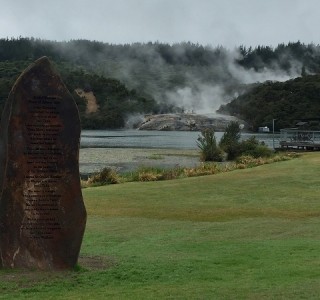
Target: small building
264	129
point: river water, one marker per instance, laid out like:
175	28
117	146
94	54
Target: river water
127	150
154	139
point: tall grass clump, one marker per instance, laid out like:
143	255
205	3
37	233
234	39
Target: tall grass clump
248	161
209	150
105	176
203	169
110	176
154	174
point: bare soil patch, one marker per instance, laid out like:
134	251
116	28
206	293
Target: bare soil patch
92	105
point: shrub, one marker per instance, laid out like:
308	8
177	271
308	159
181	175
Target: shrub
230	143
261	151
145	174
203	169
254	148
149	176
247	161
105	176
154	174
208	146
230	140
173	173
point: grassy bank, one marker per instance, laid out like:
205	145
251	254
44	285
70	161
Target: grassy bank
245	234
152	173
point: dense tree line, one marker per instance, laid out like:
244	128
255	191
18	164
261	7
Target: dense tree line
287	102
155	68
115	101
283	56
91	53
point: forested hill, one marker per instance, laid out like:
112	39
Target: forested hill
156	77
287	102
114	102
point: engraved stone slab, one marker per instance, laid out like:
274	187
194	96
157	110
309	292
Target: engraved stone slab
42	214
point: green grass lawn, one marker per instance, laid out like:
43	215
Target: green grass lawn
245	234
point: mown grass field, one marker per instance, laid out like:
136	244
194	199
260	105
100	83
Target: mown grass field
245	234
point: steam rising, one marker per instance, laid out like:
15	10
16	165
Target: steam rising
134	120
198	88
202	97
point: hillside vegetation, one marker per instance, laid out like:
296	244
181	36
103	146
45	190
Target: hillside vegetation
115	101
287	102
160	78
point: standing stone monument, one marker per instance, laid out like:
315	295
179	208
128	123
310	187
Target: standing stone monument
42	214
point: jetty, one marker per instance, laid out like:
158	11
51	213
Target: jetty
299	139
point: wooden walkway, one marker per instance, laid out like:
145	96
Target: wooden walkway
299	139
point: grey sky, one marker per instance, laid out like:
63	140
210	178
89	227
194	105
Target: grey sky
216	22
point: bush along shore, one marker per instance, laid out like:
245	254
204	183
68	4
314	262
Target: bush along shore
110	176
239	155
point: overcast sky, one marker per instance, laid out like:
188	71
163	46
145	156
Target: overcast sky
228	23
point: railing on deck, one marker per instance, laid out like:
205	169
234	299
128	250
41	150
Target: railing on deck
297	138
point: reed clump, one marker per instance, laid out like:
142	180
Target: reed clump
145	174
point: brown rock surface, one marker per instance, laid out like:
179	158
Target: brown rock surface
42	215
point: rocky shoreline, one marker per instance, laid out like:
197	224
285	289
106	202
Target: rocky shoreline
187	122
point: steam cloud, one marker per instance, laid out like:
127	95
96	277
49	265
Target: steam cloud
204	98
197	94
195	88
